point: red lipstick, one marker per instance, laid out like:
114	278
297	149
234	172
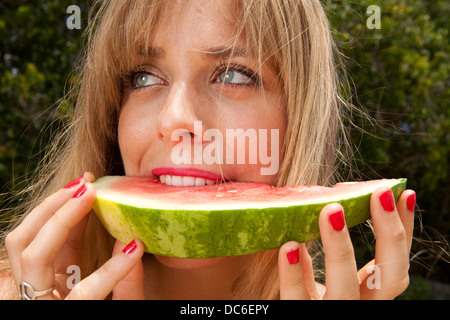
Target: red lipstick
183	172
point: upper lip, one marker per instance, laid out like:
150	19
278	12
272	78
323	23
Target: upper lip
190	172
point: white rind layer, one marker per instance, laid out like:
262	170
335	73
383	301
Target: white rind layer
341	191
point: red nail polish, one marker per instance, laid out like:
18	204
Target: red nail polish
337	220
411	202
293	256
387	201
73	183
80	191
130	247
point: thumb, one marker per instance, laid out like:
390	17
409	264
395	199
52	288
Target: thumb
131	287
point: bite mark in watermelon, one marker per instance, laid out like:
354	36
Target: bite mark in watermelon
227	219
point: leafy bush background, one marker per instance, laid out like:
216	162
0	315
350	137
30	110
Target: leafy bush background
400	73
402	77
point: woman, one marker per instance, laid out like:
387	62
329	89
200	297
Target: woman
154	67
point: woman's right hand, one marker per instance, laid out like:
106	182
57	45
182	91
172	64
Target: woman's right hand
47	242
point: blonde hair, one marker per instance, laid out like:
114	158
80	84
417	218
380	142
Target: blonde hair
292	35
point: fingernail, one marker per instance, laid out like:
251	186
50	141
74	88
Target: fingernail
387	201
293	256
73	183
130	247
80	191
411	202
337	220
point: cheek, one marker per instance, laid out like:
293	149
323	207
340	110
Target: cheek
268	151
133	139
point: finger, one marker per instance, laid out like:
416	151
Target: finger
391	248
341	279
100	283
405	207
365	272
40	215
68	254
308	273
37	260
292	283
21	237
89	176
131	287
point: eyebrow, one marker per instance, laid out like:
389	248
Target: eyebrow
223	52
153	52
207	53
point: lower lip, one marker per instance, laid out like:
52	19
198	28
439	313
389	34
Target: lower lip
186	172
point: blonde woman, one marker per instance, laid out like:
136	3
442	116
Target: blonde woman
153	67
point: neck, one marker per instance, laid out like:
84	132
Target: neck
212	281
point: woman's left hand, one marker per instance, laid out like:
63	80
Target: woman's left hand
385	277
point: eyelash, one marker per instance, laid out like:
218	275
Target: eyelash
254	79
129	79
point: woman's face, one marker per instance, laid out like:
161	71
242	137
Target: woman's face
182	106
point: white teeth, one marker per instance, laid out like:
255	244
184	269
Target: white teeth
177	181
200	181
184	181
188	181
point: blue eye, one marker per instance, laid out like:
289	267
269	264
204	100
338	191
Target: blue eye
146	79
233	77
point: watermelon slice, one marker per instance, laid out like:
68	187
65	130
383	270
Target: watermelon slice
226	219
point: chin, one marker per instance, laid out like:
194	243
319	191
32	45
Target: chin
188	264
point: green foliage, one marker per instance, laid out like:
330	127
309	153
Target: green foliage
401	74
419	289
37	55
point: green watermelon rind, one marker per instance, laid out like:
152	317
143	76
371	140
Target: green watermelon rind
219	233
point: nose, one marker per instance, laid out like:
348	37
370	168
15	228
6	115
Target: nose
178	115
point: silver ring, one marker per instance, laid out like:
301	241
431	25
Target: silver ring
27	292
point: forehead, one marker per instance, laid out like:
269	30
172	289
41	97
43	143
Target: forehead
197	25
